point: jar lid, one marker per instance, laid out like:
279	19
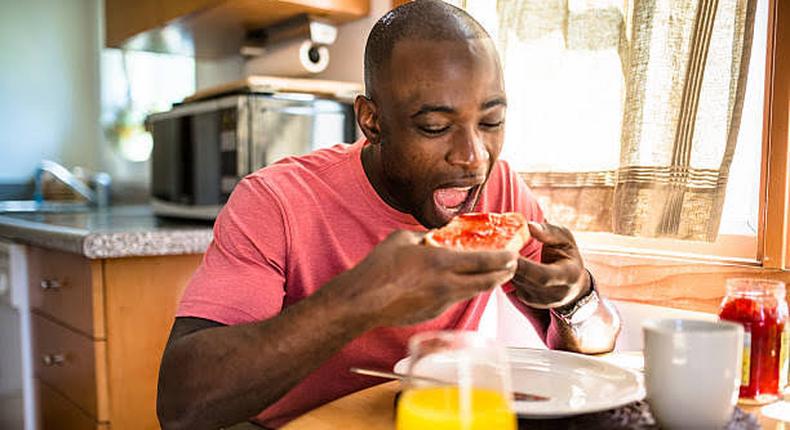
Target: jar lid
755	287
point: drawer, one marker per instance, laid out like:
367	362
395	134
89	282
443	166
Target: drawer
67	287
57	413
71	363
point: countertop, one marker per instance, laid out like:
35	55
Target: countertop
121	231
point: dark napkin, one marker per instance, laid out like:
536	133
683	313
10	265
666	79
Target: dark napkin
633	416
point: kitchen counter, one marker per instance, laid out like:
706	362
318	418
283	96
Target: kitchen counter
121	231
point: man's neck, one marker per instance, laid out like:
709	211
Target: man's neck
371	165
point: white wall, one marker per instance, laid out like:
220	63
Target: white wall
49	85
347	53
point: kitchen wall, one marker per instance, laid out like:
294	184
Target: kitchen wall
49	85
50	81
346	54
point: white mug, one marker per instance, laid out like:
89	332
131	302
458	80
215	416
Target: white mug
692	371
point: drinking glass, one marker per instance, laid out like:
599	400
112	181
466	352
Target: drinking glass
457	380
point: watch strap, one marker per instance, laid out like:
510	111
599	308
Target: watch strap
581	309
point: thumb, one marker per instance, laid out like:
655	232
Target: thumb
548	234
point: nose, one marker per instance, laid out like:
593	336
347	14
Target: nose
468	150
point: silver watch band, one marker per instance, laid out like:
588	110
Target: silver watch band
582	309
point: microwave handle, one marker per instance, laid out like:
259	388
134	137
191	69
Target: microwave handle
300	110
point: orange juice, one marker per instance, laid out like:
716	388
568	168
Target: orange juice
441	408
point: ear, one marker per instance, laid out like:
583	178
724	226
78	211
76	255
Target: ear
367	112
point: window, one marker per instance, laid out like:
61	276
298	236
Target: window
134	85
629	100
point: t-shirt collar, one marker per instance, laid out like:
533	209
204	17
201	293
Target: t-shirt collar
370	194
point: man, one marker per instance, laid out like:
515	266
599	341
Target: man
316	263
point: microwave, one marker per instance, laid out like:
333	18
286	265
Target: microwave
203	149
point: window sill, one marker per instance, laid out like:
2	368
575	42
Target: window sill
727	249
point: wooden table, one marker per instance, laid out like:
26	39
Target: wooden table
373	408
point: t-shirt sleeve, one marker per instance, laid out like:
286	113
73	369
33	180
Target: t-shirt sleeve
242	276
525	202
528	205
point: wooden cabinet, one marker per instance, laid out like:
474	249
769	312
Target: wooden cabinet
68	362
99	329
209	28
69	288
57	411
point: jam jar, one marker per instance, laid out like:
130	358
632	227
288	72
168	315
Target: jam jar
761	306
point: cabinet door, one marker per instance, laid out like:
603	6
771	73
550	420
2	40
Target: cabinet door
210	28
68	288
71	363
142	297
56	412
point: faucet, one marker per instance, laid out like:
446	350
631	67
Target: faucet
100	197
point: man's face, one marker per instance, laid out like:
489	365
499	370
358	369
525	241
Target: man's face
442	112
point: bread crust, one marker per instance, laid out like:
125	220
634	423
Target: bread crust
519	239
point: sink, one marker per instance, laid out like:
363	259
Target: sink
96	192
33	206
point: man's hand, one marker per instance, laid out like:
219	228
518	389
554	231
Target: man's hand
404	282
559	279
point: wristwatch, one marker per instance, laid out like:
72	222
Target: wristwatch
582	309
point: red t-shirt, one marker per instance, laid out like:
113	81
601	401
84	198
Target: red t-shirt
291	227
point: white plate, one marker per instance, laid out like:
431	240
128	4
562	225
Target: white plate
576	384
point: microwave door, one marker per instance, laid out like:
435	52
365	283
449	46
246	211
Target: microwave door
296	129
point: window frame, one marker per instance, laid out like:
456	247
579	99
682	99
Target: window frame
773	235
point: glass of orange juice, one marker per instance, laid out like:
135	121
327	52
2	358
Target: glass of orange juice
457	380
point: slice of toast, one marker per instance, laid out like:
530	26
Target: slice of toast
482	232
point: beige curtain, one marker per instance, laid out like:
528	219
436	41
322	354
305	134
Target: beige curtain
684	65
686	78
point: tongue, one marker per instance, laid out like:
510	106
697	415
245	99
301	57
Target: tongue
450	197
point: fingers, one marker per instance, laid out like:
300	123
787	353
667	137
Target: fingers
489	280
463	286
551	234
547	285
479	262
539	275
405	237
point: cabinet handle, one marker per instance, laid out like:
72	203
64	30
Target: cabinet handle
50	284
51	360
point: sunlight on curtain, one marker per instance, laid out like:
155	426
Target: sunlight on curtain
624	116
686	82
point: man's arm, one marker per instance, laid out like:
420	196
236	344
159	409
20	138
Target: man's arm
551	291
221	375
213	376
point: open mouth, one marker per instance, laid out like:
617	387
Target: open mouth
452	201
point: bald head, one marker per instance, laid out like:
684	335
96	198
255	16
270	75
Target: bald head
431	20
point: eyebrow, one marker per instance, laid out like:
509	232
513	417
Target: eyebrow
499	101
425	109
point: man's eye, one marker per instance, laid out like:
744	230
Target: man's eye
492	124
434	129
